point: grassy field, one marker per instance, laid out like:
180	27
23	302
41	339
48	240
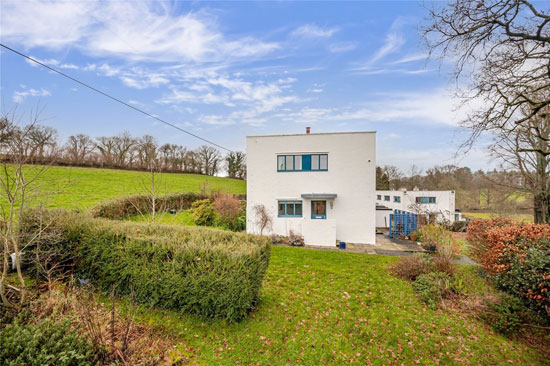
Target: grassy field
179	218
328	307
82	188
490	215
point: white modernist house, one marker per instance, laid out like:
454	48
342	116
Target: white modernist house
439	204
320	186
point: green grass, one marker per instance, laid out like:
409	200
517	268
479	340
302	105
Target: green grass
490	215
82	188
184	218
325	307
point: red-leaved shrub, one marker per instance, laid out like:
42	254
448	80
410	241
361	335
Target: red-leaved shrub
517	256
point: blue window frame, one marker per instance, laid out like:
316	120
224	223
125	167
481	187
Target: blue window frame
387	198
289	209
379	197
302	163
396	199
428	200
318	209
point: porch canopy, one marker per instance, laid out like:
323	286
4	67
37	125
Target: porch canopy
319	196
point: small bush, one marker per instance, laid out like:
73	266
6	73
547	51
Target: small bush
504	316
279	239
204	212
230	212
432	287
45	343
209	272
443	261
295	240
434	236
409	268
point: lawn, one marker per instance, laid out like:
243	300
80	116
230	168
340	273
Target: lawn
82	188
179	218
490	215
328	307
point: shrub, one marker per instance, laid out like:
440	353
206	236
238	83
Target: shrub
432	287
433	236
204	212
124	207
517	257
45	343
230	212
209	272
477	235
295	240
409	268
504	316
443	261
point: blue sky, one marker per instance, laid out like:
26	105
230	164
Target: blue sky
225	70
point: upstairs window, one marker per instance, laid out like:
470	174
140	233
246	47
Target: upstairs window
379	197
396	199
425	200
302	163
290	209
387	198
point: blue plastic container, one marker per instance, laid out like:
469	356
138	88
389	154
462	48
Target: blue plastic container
342	245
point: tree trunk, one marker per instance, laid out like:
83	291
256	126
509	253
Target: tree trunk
542	196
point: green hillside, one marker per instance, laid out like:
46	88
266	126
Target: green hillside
82	188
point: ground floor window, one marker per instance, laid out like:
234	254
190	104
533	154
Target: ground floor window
318	209
290	209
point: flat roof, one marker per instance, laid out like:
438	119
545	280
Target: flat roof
320	133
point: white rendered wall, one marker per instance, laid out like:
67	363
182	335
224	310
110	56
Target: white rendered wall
350	175
383	218
444	205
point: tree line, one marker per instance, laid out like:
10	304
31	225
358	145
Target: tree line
42	145
494	191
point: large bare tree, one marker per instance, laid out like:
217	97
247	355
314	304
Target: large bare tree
502	53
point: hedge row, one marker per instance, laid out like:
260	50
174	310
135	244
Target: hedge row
209	272
517	256
134	205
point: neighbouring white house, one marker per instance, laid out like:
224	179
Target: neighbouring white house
318	185
437	204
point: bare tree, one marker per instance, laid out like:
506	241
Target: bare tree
122	148
210	158
504	48
524	152
18	186
78	147
263	218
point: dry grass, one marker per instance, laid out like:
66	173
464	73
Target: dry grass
119	338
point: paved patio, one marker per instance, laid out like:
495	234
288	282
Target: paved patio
389	246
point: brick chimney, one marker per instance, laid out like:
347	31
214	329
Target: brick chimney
308	130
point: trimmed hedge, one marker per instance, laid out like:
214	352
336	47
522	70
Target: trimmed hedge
208	272
124	207
45	343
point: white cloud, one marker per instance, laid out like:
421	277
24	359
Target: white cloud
19	96
143	30
313	31
342	47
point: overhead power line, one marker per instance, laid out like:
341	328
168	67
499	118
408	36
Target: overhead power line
113	98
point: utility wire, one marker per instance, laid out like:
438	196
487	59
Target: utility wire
113	98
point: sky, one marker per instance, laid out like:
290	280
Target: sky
225	70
